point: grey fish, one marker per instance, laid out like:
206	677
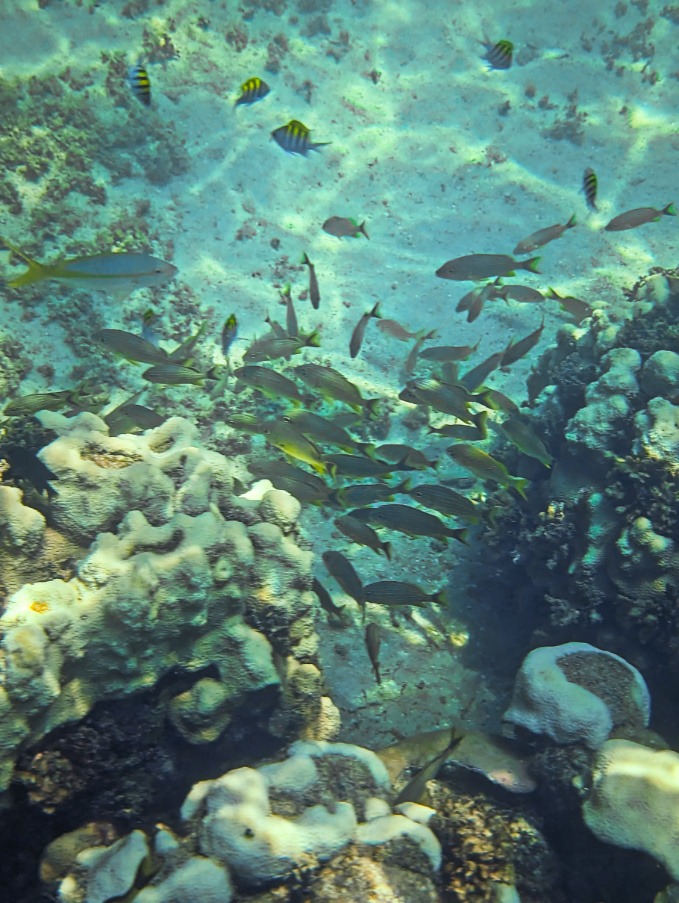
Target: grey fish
574	307
409	520
322	429
517	350
269	382
415	788
270	347
314	292
397	592
362	494
184	351
524	294
478	431
373	638
402	456
359	331
475	267
445	501
476	377
542	237
523	436
396	331
446	399
130	417
362	534
26	405
442	353
130	346
343	571
637	217
358	465
343	227
290	315
335	611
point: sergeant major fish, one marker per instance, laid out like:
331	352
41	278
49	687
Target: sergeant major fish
140	84
252	90
295	138
589	186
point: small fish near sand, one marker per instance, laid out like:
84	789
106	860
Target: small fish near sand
499	55
295	138
336	613
590	185
172	374
475	267
631	219
408	520
140	84
362	534
574	307
358	334
398	592
343	227
517	350
314	292
252	90
130	346
543	236
342	570
118	270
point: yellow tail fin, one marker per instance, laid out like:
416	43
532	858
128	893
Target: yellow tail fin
34	273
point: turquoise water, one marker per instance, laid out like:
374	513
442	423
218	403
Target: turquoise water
151	577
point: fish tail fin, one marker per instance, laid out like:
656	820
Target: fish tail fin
520	483
367	449
552	294
372	405
669	210
405	486
441	597
386	548
320	467
532	264
361	228
376	312
462	535
313	339
305	259
571	222
36	271
314	146
481	423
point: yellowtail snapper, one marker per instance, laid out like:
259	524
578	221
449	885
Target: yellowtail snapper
140	84
295	138
590	184
104	272
252	90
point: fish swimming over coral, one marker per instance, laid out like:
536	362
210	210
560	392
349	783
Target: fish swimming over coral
140	84
103	272
252	90
590	185
314	291
130	346
295	138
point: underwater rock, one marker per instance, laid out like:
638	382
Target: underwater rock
576	693
171	579
105	873
634	800
660	376
323	803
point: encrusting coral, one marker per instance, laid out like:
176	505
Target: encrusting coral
176	573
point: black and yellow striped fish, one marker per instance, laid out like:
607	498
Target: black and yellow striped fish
590	183
295	138
252	90
140	84
499	55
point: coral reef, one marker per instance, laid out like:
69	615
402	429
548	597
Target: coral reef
257	827
597	548
174	573
576	693
633	800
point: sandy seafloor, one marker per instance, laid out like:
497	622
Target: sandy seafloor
438	154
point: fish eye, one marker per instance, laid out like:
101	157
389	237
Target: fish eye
159	270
